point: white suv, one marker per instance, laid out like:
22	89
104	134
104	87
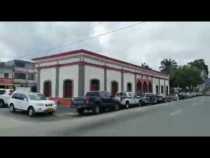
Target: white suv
32	103
5	96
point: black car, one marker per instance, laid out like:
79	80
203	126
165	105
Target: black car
96	101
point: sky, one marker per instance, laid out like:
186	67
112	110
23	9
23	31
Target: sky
134	42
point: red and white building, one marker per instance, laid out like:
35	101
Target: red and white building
71	74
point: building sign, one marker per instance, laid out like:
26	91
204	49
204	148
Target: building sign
4	81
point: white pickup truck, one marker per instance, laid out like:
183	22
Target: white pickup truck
5	96
128	99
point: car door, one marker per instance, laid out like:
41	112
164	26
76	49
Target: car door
23	102
15	99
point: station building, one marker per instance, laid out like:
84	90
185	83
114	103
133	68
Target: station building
71	74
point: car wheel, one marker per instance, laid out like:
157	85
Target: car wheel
97	110
1	103
116	107
140	103
127	105
80	111
11	108
31	112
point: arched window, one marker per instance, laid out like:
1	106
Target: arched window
94	85
114	87
139	88
129	87
157	89
150	87
47	88
162	89
144	87
68	88
167	90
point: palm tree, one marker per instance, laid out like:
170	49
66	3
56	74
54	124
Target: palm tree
145	66
168	65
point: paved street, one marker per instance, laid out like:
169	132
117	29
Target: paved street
189	117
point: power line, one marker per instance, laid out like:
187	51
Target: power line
90	38
98	35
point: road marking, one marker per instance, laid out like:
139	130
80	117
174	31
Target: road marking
176	112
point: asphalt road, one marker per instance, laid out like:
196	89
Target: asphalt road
189	117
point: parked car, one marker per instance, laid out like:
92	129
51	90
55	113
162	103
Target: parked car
96	101
128	99
160	99
5	96
150	98
32	103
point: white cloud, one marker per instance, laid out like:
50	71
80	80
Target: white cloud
148	42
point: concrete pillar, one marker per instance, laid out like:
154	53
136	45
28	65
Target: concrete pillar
81	81
122	81
159	89
135	84
57	81
105	79
38	80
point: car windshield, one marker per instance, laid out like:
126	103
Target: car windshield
2	92
92	94
37	97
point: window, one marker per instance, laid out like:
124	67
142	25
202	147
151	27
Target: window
92	94
31	76
2	92
114	88
129	87
144	87
166	90
157	90
47	88
6	75
162	89
150	87
68	89
20	76
20	64
94	85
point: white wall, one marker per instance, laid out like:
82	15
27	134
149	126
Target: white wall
155	83
72	73
113	75
48	74
93	73
129	77
69	60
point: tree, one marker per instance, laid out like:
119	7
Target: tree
202	67
168	65
187	76
145	66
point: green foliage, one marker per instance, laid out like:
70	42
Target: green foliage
145	66
190	75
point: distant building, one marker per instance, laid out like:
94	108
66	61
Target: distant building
21	72
71	74
6	76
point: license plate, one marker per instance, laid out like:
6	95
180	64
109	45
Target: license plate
50	110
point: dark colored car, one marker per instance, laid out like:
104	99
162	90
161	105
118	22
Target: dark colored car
160	99
96	101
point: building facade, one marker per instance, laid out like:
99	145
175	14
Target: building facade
73	73
22	72
6	76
